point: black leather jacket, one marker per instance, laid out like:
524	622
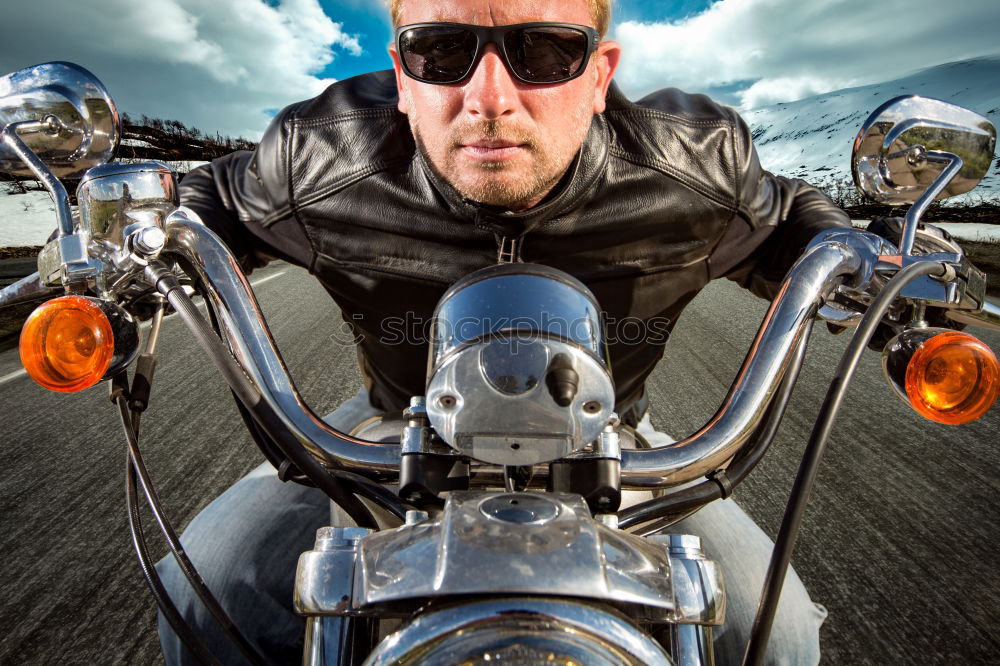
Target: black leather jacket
665	195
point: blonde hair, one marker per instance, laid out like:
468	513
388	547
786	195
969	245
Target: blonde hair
600	14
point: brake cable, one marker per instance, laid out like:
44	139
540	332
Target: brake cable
163	601
131	404
136	469
166	283
806	476
356	483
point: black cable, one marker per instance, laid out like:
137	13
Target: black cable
173	543
167	284
354	482
806	475
167	607
380	496
689	499
267	446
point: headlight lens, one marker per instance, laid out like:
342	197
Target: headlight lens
521	632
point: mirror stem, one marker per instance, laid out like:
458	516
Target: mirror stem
920	205
59	195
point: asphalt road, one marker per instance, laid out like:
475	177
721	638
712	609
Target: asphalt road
900	541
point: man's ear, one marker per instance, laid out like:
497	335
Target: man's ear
398	68
608	54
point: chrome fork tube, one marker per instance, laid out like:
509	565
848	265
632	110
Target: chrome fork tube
251	343
691	645
324	580
814	276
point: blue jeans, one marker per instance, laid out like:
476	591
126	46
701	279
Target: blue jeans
246	544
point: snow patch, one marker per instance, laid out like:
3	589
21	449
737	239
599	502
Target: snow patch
26	219
180	166
137	143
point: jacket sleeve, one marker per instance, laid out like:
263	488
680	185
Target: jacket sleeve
775	219
244	197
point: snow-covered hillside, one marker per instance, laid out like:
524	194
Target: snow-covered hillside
812	138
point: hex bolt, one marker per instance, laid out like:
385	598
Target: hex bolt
334	538
148	240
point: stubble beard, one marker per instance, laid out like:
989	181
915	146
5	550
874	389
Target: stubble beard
496	183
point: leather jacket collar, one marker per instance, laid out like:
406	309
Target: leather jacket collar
574	188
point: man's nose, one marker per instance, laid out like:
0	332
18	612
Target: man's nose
491	91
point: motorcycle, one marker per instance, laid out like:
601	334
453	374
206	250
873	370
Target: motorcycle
504	537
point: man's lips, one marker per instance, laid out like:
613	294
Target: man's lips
492	150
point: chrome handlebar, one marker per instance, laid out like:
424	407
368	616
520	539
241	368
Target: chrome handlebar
814	277
250	341
828	263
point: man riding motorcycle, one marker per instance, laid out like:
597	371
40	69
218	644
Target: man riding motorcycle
498	136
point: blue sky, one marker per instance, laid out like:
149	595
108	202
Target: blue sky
370	21
227	65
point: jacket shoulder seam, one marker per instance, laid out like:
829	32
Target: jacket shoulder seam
293	207
317	121
738	183
643	111
676	174
346	181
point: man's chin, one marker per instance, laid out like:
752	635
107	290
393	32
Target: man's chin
504	192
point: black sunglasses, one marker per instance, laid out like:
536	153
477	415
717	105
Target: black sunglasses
539	53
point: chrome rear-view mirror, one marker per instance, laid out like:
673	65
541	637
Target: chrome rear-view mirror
907	144
63	114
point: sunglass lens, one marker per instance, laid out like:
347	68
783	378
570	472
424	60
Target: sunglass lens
438	54
546	54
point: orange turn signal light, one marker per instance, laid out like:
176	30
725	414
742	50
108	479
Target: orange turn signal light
67	344
952	378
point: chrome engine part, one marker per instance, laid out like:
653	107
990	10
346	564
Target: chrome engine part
560	584
490	543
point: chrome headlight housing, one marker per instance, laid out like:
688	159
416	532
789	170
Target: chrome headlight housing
519	631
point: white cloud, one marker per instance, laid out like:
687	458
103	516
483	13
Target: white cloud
781	50
217	65
783	89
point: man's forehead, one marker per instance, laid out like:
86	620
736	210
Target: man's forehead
494	12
